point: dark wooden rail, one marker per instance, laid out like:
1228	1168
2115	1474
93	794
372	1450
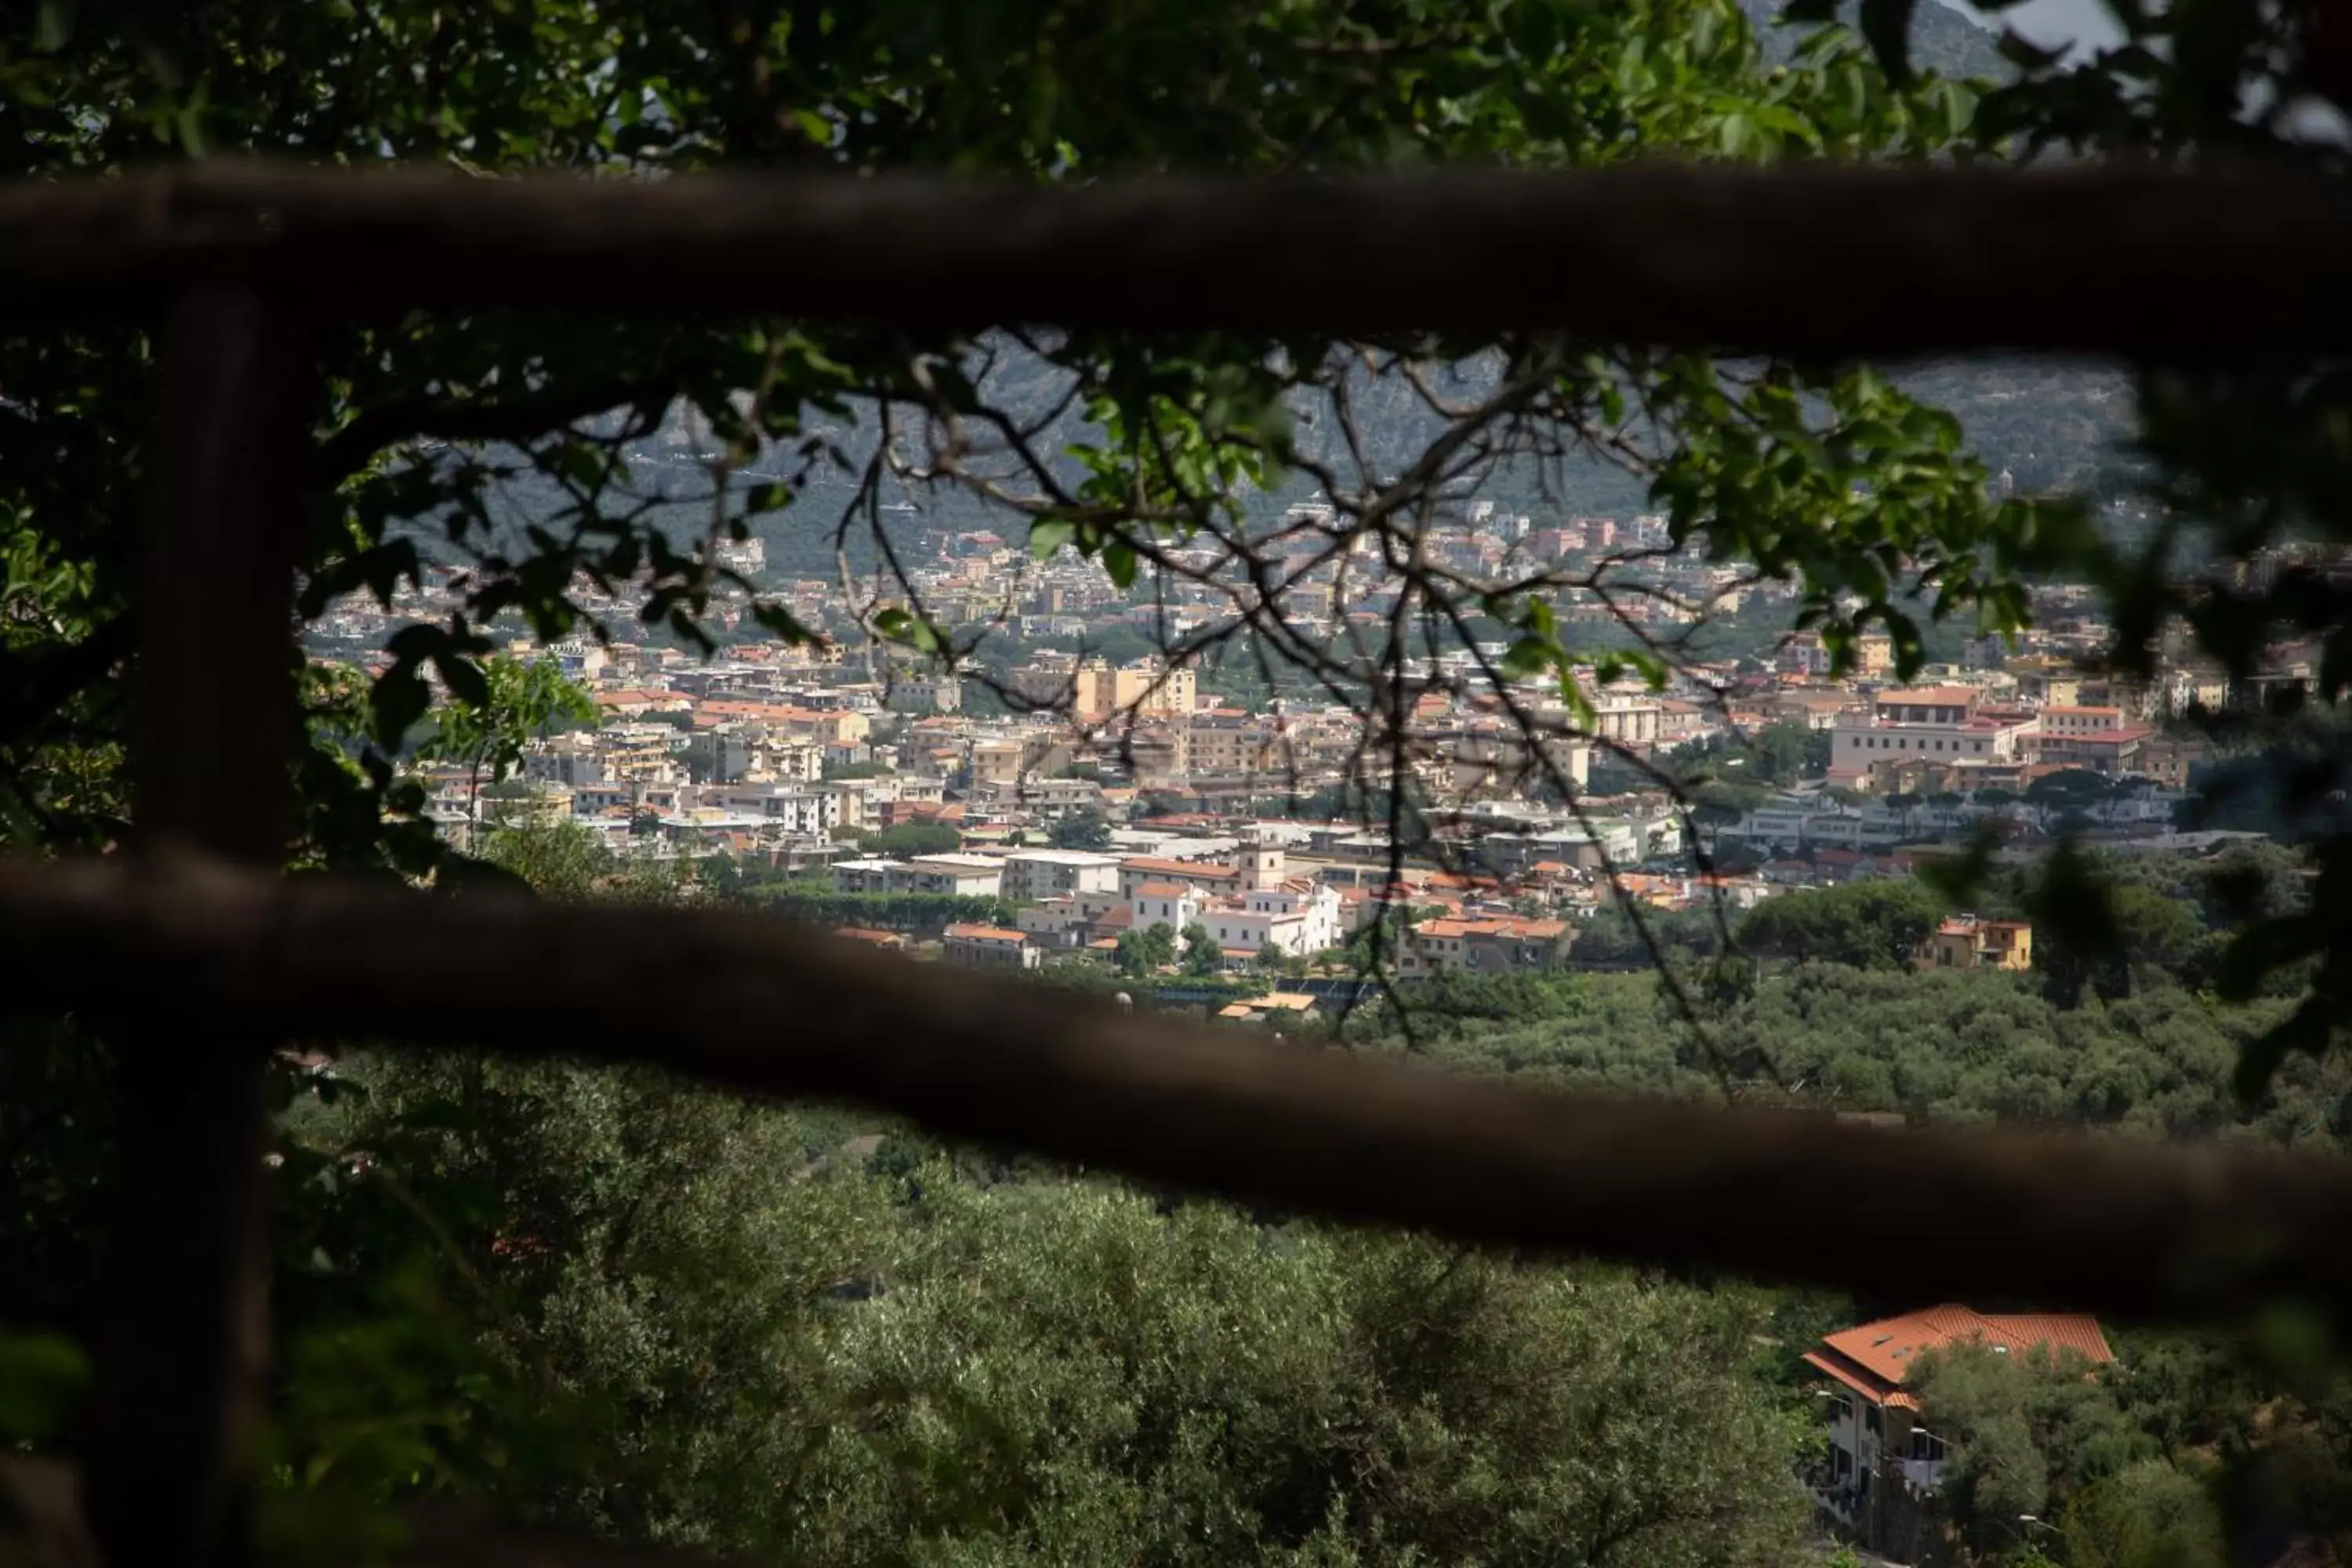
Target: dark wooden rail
2132	1229
231	262
1826	263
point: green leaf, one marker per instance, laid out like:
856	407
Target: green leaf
1046	537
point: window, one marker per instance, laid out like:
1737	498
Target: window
1925	1444
1870	1420
1840	1464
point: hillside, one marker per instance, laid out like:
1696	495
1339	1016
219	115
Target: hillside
2052	427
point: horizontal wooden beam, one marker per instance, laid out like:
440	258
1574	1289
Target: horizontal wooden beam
2141	262
2132	1229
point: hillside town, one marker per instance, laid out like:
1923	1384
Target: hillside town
1087	798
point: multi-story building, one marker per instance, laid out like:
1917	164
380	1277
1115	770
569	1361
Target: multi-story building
1481	946
988	947
1943	725
1626	719
1299	917
1148	686
2098	739
1224	741
964	875
1163	904
1036	874
1202	876
794	808
1886	1463
959	874
996	763
2060	719
1966	941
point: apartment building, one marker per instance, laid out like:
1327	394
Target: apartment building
2099	739
1481	946
988	947
1036	874
1943	725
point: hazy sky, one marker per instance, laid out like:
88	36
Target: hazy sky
2050	22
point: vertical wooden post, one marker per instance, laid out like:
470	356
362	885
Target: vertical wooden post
181	1368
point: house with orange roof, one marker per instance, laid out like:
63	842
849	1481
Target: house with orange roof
988	947
1202	876
1444	945
1884	1459
1968	941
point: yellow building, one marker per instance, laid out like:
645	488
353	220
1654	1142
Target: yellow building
1966	942
1148	686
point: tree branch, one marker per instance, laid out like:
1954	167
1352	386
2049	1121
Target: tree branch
2134	1230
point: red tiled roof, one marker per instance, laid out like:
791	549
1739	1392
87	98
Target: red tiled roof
1163	890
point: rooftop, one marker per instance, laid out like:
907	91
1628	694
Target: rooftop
984	934
1874	1358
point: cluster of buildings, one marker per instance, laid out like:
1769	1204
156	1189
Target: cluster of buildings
1243	818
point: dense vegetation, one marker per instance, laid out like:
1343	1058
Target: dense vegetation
767	1333
910	914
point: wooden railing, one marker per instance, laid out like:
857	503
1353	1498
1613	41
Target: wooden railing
237	266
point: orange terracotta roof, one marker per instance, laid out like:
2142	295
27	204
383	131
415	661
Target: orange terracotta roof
1887	1349
1164	890
985	933
1934	696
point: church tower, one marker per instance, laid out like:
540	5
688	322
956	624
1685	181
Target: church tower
1261	858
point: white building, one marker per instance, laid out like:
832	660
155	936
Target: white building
1171	903
1299	917
1033	874
965	876
795	808
1939	725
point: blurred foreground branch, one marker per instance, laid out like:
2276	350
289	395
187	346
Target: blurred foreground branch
2143	262
2130	1229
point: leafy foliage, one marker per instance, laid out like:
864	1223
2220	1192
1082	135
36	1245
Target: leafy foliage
910	913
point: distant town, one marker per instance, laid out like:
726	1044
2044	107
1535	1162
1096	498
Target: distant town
1083	800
